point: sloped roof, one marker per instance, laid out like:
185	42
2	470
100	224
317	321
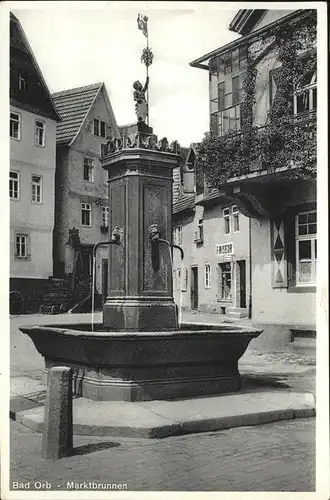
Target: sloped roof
245	20
73	106
185	202
36	98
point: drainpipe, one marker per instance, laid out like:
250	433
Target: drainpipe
250	272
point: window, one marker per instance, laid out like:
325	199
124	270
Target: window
231	119
99	128
40	133
36	189
236	86
221	95
13	185
21	83
15	126
86	214
185	280
226	218
199	234
228	64
305	95
207	276
242	55
306	247
179	235
105	216
235	214
178	281
102	129
88	169
21	246
225	278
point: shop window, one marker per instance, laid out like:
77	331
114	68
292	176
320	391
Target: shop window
225	281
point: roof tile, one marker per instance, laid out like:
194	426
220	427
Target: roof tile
73	105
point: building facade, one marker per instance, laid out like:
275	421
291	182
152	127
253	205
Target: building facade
263	120
214	235
33	120
81	206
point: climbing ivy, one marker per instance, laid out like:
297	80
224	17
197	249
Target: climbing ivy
283	141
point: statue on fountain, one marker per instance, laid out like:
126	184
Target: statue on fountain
139	95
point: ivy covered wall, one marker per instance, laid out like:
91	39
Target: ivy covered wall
271	134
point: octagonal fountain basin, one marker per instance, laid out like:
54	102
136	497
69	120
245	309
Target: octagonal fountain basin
194	361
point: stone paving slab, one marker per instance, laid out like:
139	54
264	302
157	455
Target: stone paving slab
160	419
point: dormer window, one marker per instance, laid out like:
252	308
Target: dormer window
21	83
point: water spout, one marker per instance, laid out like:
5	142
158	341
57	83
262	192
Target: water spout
116	237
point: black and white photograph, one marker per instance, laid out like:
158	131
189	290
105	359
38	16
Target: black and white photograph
165	257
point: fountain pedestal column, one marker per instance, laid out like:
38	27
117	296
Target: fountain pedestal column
140	195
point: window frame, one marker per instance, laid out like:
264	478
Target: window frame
179	234
105	215
184	287
301	90
18	255
36	136
18	121
97	128
178	280
16	198
226	219
20	80
90	169
33	183
235	216
312	237
222	273
84	210
207	275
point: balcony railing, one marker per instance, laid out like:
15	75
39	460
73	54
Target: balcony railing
290	143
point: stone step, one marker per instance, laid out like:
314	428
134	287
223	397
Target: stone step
237	312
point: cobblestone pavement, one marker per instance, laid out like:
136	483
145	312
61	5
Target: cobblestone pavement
272	457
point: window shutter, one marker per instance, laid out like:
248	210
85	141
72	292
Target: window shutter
278	253
290	244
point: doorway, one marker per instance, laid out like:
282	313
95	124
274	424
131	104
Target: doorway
194	288
242	283
87	262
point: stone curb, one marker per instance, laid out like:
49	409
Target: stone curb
162	431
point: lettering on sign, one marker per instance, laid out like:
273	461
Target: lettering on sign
225	249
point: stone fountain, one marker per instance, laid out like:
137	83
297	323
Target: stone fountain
139	352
